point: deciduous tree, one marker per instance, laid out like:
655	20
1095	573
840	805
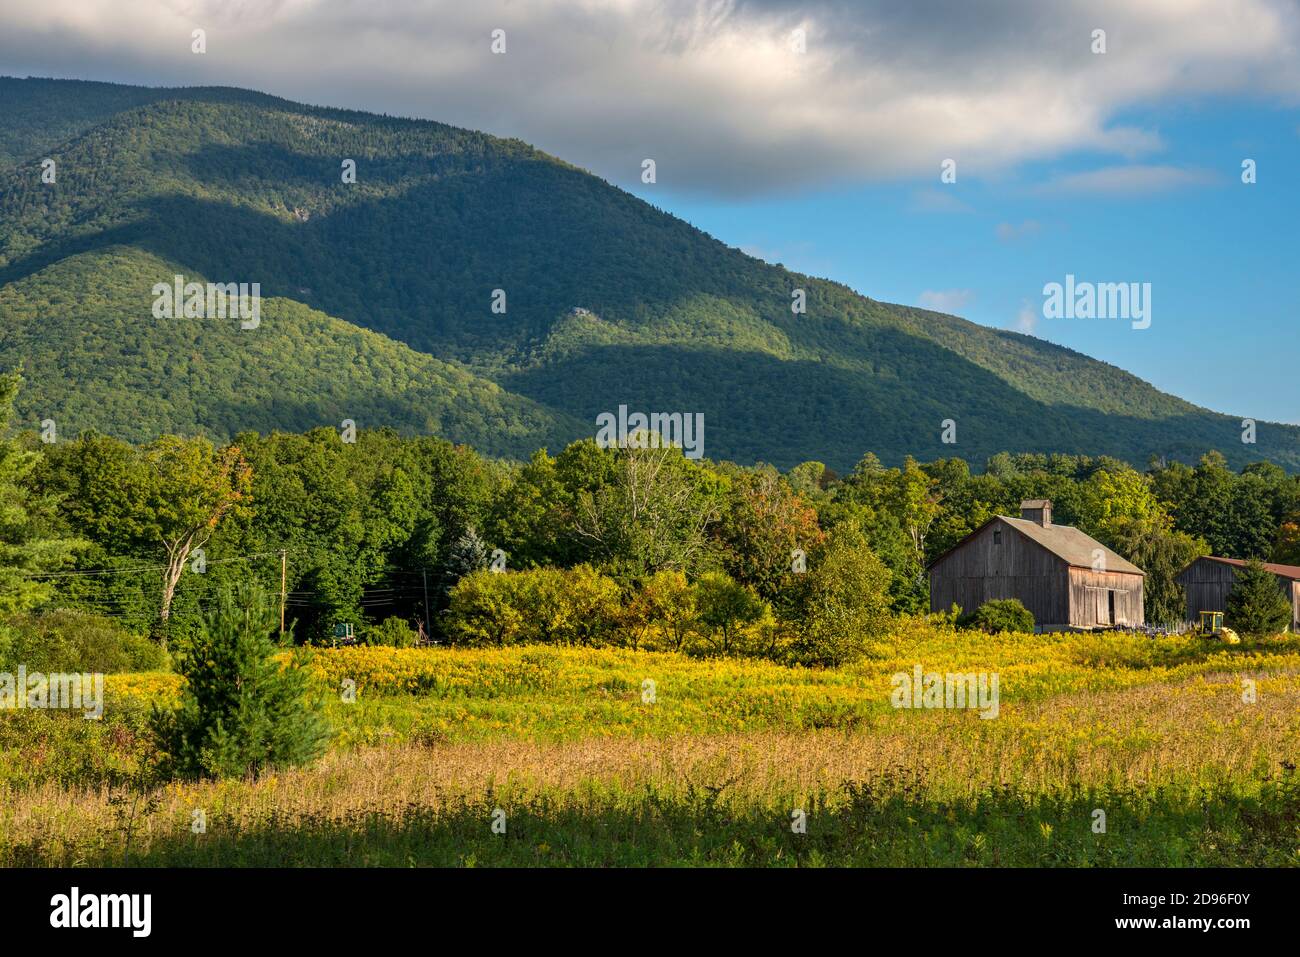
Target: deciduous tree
28	549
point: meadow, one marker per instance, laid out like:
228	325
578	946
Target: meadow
1186	747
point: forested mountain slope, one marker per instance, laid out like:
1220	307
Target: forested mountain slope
608	301
94	358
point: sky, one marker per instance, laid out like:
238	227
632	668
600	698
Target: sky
816	134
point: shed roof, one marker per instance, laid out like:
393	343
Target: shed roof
1072	545
1285	571
1064	541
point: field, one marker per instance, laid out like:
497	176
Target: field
601	756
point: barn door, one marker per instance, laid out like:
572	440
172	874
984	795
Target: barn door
1110	607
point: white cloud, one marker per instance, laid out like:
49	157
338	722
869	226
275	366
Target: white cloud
711	89
1123	180
1027	319
945	300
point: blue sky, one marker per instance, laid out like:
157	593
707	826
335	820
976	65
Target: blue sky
1221	255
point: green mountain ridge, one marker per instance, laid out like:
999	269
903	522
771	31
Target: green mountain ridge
299	369
609	301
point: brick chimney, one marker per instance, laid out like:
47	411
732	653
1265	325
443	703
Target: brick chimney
1037	510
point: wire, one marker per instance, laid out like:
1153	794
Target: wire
412	591
96	572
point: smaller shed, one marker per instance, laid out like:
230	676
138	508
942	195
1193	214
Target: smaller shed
1208	581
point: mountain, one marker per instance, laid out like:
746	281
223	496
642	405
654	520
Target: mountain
379	298
93	358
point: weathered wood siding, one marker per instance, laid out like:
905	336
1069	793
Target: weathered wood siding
1090	598
1207	585
979	570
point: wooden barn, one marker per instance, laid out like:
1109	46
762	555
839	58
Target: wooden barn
1207	582
1066	578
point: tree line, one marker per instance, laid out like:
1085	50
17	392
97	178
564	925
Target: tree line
396	535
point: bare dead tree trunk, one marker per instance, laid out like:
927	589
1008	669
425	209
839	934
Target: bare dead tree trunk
178	553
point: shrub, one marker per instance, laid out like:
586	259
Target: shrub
841	602
539	594
484	609
576	606
1256	605
394	632
731	616
660	613
241	711
998	616
591	605
39	746
76	641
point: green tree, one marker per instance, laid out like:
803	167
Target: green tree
727	610
592	606
842	600
577	606
1236	514
529	515
653	511
1256	605
242	711
915	500
810	479
468	555
1113	496
27	548
896	510
191	488
762	528
356	516
485	608
664	605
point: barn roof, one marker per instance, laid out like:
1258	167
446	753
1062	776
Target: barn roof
1285	571
1072	545
1064	541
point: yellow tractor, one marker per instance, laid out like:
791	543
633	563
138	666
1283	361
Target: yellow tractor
1211	626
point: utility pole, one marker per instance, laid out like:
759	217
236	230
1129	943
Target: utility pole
284	568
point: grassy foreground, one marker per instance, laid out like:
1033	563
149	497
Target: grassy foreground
563	746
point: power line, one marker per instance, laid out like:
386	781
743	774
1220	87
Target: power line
110	572
399	586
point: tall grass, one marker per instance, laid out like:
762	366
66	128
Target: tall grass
1157	735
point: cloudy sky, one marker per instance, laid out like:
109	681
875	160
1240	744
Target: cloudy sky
815	134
